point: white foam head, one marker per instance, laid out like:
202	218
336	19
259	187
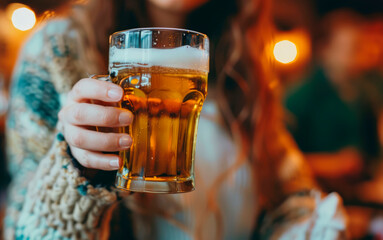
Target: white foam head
184	57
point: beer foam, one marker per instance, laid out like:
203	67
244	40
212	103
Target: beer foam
184	57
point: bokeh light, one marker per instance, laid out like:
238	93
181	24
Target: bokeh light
23	18
285	51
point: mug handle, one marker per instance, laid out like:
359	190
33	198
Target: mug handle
105	78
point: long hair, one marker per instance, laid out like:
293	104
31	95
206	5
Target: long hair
240	73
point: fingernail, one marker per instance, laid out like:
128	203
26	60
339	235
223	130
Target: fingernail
125	118
114	94
125	141
114	163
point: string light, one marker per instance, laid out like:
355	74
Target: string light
23	18
285	51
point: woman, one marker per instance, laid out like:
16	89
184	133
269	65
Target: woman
252	167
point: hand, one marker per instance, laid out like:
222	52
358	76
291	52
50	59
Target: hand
79	116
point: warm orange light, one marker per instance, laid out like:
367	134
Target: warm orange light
23	18
285	51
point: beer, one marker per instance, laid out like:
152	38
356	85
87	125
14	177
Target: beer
166	100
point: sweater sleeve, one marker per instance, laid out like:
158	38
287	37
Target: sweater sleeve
305	212
307	215
47	198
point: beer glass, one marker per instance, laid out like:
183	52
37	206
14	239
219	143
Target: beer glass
163	72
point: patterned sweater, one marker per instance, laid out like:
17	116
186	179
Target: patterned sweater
49	199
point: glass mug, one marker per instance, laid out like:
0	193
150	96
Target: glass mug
163	72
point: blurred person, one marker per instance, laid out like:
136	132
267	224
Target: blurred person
332	117
371	82
251	180
371	59
332	121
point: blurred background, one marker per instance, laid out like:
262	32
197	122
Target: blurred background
328	55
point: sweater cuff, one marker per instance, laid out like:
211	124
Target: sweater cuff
60	202
95	177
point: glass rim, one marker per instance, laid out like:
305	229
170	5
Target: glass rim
161	28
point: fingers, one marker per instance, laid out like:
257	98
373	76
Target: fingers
77	115
95	115
96	160
96	141
89	88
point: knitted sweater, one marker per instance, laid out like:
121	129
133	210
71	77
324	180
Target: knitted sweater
49	199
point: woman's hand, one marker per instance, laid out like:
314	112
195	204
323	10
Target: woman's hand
79	116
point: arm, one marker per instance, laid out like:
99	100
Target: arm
305	211
48	197
309	215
